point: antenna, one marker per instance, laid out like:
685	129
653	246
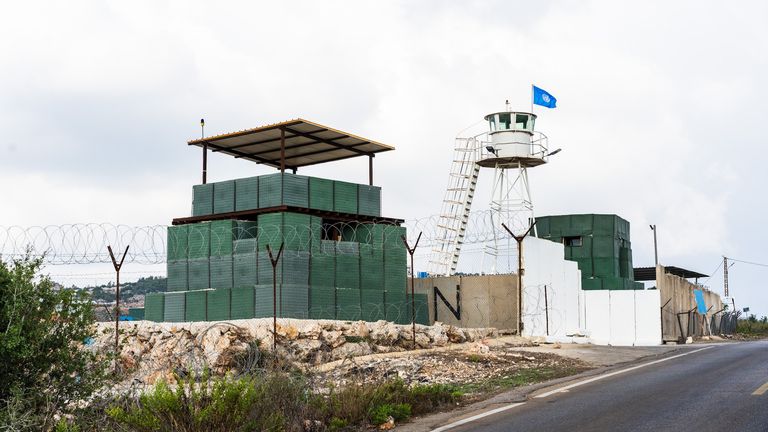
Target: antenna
507	104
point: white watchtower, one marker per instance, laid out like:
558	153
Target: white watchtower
510	146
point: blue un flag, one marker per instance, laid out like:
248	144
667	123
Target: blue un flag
543	98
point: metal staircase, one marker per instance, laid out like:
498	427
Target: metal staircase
452	223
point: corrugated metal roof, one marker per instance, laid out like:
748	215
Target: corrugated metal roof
649	273
306	143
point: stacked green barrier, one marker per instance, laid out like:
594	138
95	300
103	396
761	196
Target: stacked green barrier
224	197
315	234
199	240
348	304
245	246
221	271
218	305
583	251
294	300
369	200
246	230
397	308
270	231
202	199
245	268
297	231
195	306
606	225
177	244
372	305
585	265
174	307
580	224
604	246
345	197
295	267
265	270
322	302
591	283
247	193
154	307
270	190
222	237
295	190
395	259
348	271
322	280
605	267
199	273
264	303
371	267
320	194
176	271
422	308
243	302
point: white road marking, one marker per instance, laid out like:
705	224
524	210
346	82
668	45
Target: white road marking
599	377
760	390
477	417
568	387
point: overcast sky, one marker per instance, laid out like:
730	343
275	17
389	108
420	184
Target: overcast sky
661	111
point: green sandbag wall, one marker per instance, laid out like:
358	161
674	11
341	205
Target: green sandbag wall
598	243
220	270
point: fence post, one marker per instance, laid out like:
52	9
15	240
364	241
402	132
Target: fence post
411	251
519	240
117	299
274	261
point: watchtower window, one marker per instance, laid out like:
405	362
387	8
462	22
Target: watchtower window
573	241
505	120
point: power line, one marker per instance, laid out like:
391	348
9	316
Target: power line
748	262
713	272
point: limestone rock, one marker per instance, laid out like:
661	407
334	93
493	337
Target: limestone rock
351	349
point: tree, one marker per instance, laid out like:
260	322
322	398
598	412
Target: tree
44	365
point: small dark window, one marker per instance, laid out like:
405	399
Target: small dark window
573	241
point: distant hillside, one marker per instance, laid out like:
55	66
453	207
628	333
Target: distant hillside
141	287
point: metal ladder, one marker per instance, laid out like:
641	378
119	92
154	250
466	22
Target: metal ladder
452	222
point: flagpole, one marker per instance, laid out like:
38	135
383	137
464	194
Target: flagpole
531	98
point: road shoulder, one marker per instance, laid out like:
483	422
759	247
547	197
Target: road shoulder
606	359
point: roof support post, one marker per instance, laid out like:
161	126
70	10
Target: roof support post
282	150
370	170
205	162
205	151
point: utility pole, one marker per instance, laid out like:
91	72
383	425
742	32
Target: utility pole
725	277
655	247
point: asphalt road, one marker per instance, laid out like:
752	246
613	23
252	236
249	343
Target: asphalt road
715	389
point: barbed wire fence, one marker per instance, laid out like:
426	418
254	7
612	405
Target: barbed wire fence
86	243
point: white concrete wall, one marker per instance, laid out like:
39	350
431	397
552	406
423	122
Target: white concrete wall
546	268
601	317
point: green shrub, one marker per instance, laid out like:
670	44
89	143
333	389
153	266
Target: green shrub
381	413
272	401
42	329
374	402
337	424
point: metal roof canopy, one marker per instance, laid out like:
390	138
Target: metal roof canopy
649	273
292	144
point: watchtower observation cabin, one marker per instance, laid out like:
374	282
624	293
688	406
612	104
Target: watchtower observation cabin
513	141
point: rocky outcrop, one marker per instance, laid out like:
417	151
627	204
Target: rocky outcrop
150	351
